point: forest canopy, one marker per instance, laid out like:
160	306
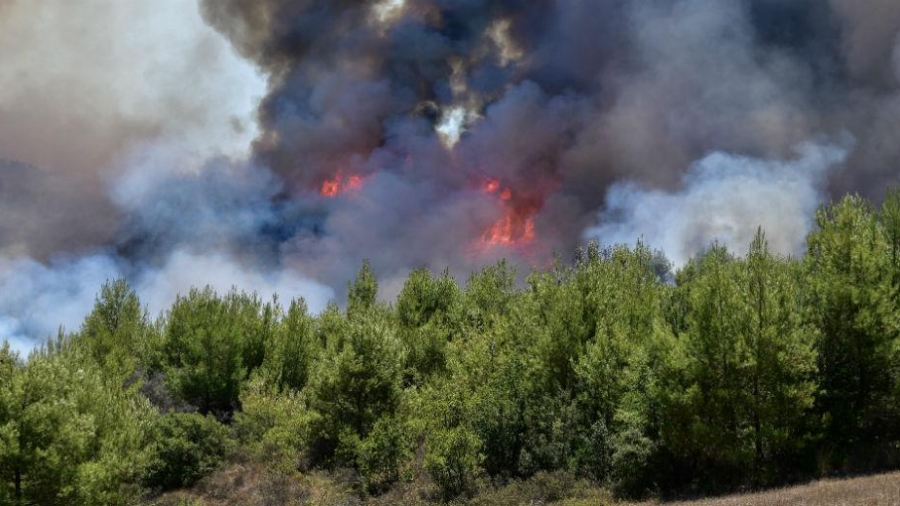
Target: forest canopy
742	369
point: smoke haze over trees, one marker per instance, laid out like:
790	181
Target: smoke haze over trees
190	160
274	144
606	376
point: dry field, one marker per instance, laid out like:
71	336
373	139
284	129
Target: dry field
881	490
249	484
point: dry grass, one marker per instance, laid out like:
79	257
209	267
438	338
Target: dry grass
250	484
881	490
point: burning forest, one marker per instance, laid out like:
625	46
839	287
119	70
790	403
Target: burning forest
276	144
447	251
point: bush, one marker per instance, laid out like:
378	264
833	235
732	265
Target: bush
453	461
381	455
184	448
355	384
546	488
631	463
273	426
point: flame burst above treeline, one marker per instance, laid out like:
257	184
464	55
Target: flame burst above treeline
462	131
401	88
431	133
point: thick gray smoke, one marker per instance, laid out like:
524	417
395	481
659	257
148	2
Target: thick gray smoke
84	83
419	133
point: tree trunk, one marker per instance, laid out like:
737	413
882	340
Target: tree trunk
18	485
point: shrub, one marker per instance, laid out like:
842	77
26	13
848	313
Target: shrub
184	448
453	461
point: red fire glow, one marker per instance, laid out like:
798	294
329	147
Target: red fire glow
516	227
511	230
354	183
331	188
338	185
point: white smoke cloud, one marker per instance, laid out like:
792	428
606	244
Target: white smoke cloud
134	98
37	299
81	81
723	198
184	270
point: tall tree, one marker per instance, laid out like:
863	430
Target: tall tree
66	435
117	332
363	292
741	378
700	388
204	347
850	258
779	361
291	350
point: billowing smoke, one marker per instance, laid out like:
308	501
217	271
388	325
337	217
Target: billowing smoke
30	291
274	144
65	289
723	198
82	84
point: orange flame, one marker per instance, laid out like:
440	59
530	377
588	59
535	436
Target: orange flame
491	185
511	230
516	227
331	187
337	185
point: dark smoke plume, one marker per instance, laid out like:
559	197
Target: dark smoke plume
558	101
454	132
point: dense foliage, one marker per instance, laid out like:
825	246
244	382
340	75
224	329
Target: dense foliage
740	370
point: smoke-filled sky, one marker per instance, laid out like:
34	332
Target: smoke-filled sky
274	144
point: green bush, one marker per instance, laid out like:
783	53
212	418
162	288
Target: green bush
212	344
453	460
545	488
184	448
273	425
356	383
381	455
631	463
